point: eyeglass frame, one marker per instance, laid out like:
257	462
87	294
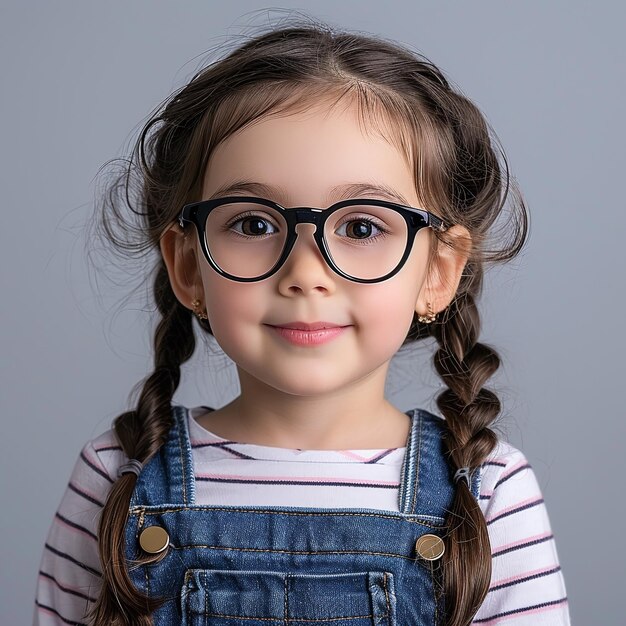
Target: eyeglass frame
416	219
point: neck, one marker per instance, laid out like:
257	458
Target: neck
353	417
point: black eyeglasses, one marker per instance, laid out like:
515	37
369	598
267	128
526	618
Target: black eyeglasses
380	240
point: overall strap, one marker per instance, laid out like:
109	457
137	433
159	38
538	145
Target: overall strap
408	481
168	477
428	476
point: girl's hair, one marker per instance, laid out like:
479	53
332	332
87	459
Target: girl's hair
457	176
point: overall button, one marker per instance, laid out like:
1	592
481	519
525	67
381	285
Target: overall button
430	547
154	539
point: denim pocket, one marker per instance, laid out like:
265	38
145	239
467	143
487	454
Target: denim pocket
260	598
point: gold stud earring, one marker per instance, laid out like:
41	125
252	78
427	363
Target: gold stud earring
201	315
430	317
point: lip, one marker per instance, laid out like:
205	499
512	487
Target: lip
305	338
307	326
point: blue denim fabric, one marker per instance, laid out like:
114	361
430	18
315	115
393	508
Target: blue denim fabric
297	566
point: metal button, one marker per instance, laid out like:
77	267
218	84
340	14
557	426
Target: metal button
430	547
154	539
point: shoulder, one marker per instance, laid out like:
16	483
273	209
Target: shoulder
504	463
507	469
509	485
101	457
95	469
511	498
526	573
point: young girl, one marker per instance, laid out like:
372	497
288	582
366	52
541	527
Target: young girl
317	201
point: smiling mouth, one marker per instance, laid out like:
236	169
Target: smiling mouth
314	337
309	325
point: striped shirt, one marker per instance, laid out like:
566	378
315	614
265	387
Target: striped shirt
527	586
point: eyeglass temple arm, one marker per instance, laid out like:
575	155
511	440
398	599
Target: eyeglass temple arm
181	220
437	223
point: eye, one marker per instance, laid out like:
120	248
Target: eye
257	223
359	229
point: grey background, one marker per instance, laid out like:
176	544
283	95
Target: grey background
78	80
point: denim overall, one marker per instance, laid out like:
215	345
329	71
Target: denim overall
292	566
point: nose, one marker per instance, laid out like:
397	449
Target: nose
305	266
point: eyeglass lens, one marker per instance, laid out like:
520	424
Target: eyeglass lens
246	239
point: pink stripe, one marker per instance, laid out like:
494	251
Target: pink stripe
515	467
522	541
306	479
534	572
353	455
80	530
486	493
63	585
499	459
541	609
514	506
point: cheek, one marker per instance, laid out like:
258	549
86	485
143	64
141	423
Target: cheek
386	310
231	308
385	314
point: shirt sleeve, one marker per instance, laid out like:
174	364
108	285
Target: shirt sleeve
69	577
527	586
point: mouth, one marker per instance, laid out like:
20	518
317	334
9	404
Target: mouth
303	337
309	325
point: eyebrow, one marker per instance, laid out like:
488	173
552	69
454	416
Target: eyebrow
339	192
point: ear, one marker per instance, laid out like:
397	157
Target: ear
446	270
179	255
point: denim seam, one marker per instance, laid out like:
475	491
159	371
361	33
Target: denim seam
185	596
406	471
178	420
296	514
295	619
184	418
140	524
417	464
386	594
406	464
206	595
296	552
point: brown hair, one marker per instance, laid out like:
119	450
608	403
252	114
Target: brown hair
457	176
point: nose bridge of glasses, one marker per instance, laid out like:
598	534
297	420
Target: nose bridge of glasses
302	217
305	219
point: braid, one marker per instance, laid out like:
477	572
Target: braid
141	433
469	409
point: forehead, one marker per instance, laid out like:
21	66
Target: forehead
307	153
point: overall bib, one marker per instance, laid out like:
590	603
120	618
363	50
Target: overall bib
293	566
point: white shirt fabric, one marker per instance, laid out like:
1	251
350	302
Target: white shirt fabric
527	586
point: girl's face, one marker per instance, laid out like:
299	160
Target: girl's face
301	157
